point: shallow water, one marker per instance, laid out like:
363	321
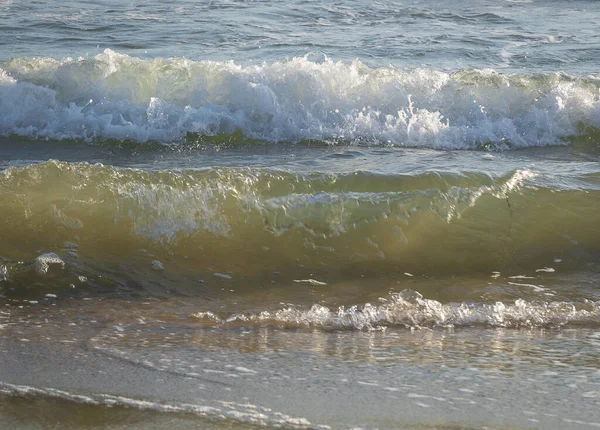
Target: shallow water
160	360
255	214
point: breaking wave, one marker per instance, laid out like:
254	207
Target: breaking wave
60	219
113	96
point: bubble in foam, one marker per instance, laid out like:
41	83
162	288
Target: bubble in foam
43	262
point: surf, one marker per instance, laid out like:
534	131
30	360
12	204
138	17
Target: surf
113	96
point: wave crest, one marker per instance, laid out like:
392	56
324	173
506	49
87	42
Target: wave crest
115	96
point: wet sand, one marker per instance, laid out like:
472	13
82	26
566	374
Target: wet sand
97	374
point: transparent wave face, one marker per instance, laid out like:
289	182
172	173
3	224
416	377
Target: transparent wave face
249	223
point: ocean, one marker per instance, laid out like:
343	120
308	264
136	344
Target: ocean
303	214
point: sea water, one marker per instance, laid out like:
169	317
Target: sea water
301	214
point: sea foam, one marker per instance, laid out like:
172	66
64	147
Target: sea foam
115	96
410	309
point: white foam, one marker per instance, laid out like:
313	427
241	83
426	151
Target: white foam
44	261
309	281
409	309
227	410
537	288
114	96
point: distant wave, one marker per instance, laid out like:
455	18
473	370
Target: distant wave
112	96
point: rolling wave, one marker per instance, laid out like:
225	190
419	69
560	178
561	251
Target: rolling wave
113	96
59	218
